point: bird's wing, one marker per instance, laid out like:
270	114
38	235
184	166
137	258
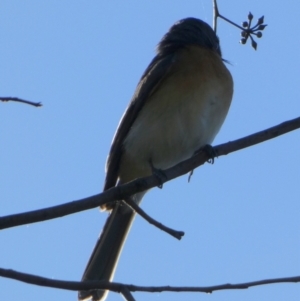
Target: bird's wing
152	78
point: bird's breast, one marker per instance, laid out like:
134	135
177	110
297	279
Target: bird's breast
182	115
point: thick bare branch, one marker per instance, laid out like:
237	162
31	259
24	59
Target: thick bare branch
122	288
124	191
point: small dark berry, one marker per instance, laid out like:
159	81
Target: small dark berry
250	16
245	24
261	27
259	34
260	20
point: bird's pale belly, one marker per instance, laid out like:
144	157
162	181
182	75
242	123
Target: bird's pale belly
183	115
173	132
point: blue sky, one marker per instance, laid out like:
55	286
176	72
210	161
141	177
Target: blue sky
82	60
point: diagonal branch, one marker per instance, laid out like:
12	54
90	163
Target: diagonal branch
126	288
126	190
127	294
9	98
150	220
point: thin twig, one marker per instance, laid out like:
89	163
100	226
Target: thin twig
139	185
215	15
8	98
152	221
119	287
231	22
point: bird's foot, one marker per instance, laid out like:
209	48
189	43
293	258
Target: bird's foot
159	174
210	152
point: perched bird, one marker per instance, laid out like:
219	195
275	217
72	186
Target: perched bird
178	107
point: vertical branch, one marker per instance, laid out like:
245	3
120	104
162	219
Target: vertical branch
215	15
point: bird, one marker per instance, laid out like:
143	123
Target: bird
178	107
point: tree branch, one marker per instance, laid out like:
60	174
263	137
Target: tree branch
125	288
150	220
127	294
215	15
142	184
8	98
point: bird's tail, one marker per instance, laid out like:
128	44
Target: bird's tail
105	256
